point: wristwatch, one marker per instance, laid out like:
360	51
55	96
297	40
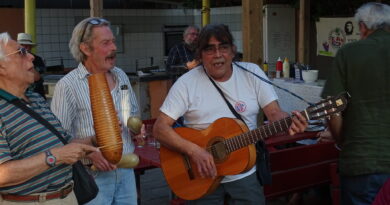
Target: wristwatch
50	159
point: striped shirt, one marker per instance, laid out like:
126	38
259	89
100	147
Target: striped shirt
21	136
71	104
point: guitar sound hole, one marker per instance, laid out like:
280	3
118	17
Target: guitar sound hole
218	150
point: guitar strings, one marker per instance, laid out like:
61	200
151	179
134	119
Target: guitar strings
278	125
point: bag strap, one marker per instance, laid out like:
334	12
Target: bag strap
238	116
18	103
7	96
273	84
263	172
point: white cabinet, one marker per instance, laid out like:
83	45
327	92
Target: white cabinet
278	33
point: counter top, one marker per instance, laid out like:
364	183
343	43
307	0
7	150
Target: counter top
153	76
309	91
317	83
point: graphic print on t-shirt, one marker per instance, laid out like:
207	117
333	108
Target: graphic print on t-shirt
240	106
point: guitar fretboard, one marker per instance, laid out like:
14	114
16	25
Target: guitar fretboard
258	134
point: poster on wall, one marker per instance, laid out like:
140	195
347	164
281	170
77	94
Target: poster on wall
333	33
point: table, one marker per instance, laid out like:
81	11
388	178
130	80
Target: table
149	157
284	138
297	167
308	91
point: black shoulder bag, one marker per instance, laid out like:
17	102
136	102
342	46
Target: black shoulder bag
263	168
85	187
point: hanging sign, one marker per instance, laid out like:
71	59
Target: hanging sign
333	33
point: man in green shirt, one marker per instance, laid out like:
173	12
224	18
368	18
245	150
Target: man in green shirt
362	68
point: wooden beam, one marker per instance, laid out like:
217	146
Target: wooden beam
303	33
252	31
252	36
96	8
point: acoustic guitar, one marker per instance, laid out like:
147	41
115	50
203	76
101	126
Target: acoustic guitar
232	146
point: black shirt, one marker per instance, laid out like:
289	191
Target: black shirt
179	55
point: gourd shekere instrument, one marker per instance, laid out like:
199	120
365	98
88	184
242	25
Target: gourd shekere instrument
105	119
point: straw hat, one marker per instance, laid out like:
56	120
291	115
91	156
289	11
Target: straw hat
25	39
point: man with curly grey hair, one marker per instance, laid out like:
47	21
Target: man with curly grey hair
362	69
93	46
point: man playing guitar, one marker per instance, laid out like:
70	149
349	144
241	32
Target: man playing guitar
194	97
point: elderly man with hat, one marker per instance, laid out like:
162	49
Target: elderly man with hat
25	40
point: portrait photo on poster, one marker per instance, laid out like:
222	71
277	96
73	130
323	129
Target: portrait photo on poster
348	28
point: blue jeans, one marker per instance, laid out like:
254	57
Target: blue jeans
362	189
115	187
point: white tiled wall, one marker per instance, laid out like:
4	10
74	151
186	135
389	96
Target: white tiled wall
142	32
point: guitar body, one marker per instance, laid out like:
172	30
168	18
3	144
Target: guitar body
181	174
231	144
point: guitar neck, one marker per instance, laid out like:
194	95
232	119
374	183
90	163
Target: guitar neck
258	134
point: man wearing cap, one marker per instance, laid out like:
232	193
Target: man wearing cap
25	40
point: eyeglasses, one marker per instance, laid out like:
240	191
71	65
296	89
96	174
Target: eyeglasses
212	49
22	51
95	22
193	34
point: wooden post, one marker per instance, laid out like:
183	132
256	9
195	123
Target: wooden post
252	31
303	33
252	36
96	8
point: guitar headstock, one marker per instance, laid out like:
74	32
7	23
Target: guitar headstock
327	107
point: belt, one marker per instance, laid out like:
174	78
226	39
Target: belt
41	197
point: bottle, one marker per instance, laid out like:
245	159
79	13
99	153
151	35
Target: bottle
279	67
297	72
265	68
286	68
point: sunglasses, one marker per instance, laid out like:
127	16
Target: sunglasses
212	49
22	51
94	22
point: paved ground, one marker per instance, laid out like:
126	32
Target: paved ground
155	191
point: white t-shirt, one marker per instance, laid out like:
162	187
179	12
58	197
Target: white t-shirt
195	97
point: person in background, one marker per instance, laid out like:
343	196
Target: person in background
25	40
93	46
362	69
195	97
35	166
183	53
